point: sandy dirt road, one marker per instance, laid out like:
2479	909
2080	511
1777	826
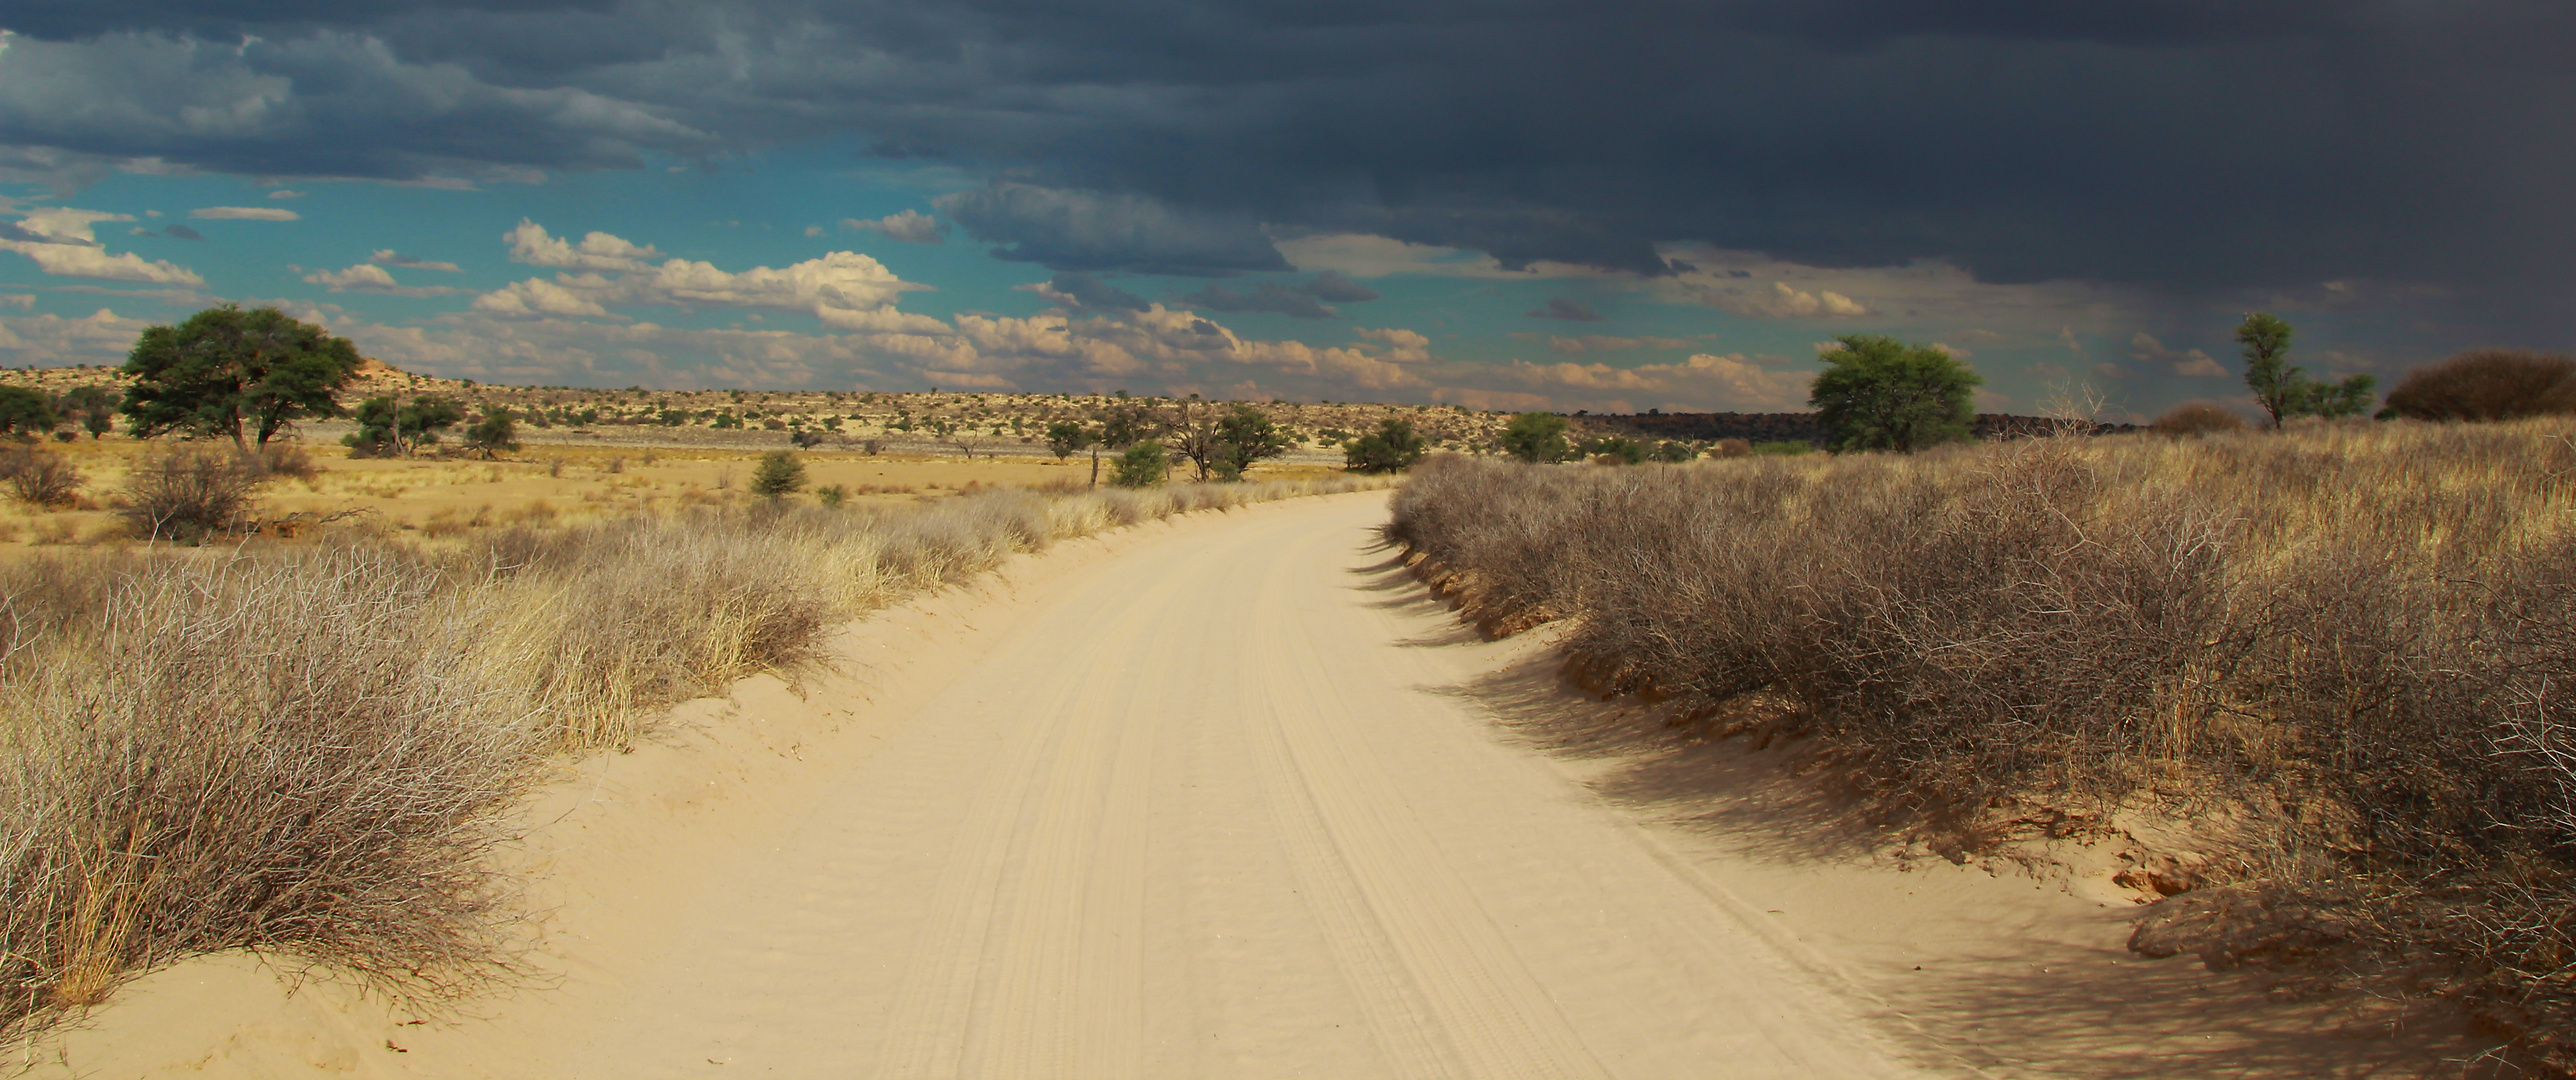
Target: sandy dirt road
1211	814
1211	807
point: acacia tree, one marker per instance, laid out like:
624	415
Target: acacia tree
497	433
1393	447
94	405
1537	437
2282	388
225	368
26	413
1878	393
1063	437
1118	427
387	427
1191	430
1246	435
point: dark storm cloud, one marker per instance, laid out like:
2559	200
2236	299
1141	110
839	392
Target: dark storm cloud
1081	230
1091	292
2182	145
1559	307
1269	296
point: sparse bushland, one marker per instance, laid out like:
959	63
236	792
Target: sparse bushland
2355	638
310	750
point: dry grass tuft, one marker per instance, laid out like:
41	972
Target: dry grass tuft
2360	632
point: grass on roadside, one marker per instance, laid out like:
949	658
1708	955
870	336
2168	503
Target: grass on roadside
309	749
2361	636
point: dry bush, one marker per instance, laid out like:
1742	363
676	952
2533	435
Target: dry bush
190	493
2367	628
283	460
1731	448
306	755
40	478
2488	384
2197	418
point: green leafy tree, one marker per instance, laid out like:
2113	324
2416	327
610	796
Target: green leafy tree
1619	449
1118	427
1393	447
2266	338
779	474
1878	393
1063	437
25	413
2285	390
225	369
497	433
1246	435
388	426
1143	464
1537	437
94	406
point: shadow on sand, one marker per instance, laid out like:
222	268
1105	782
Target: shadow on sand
1998	1004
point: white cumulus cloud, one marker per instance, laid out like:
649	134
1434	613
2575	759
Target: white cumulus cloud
63	242
371	278
529	243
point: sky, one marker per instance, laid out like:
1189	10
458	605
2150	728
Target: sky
1502	204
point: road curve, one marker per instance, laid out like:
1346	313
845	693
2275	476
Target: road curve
1210	807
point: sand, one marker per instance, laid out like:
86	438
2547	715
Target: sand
1226	796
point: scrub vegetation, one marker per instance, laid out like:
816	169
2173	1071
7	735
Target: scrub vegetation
2351	641
309	748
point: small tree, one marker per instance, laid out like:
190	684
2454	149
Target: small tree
1144	464
1063	437
2266	338
1393	447
94	406
387	427
1878	393
2282	388
1193	433
1537	437
497	433
1674	451
225	367
1119	427
1245	436
779	474
25	413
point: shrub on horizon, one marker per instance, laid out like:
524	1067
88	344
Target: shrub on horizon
2488	384
2197	418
